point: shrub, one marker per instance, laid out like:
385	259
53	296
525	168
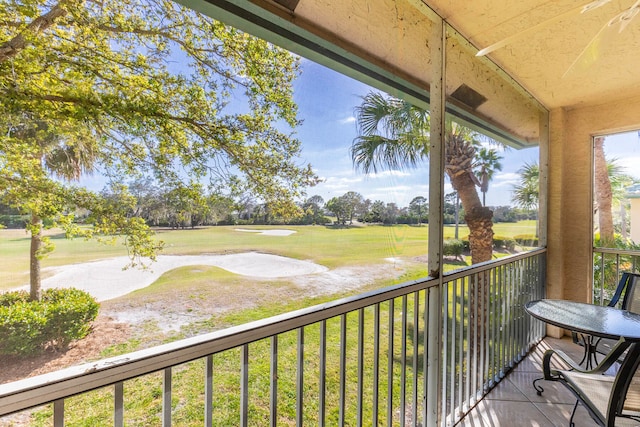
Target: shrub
28	327
526	239
502	242
453	247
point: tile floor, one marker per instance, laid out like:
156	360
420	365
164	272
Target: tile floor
514	402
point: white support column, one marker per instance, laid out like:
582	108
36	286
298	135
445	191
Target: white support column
544	179
437	42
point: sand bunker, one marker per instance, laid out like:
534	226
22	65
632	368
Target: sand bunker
105	279
267	232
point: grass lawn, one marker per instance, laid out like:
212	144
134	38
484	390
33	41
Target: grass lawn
328	246
202	287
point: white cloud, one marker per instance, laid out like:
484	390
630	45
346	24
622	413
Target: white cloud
504	180
347	120
387	174
630	165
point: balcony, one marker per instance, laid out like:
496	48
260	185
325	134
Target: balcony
369	359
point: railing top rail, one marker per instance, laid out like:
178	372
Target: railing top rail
477	268
616	251
44	388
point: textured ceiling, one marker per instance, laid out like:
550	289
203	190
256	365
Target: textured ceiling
546	46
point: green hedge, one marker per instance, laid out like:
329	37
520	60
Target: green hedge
453	247
526	239
28	327
502	242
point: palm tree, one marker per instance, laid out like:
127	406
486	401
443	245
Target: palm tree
620	181
526	193
603	194
395	134
487	163
51	157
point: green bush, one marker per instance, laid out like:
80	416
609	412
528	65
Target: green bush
27	327
526	239
502	242
453	247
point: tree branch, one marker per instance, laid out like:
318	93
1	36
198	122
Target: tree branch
13	46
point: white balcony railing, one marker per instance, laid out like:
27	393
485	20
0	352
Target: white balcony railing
355	361
608	266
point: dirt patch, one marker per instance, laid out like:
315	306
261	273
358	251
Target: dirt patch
105	332
158	316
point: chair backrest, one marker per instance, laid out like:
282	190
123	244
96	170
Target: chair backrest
629	289
625	396
632	294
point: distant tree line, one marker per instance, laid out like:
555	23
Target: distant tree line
199	206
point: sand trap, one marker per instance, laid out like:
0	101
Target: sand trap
267	232
105	279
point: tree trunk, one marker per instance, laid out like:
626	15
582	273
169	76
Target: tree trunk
477	217
35	279
457	214
603	194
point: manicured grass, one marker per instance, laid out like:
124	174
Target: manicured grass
331	247
143	396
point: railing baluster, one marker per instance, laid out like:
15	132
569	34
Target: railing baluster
476	333
403	363
494	326
449	342
425	360
359	408
323	374
482	325
273	383
376	364
390	364
166	398
468	320
416	329
343	367
300	379
244	385
602	279
460	358
118	404
58	413
208	391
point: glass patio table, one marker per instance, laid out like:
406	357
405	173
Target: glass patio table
591	319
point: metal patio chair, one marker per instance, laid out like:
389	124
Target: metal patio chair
610	400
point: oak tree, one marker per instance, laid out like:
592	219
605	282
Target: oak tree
137	88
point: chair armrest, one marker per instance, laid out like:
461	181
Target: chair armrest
603	366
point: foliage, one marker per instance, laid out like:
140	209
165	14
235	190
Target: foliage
394	134
453	247
487	162
28	327
345	207
502	242
526	239
419	207
526	193
606	267
132	89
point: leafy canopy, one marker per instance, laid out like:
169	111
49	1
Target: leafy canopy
140	88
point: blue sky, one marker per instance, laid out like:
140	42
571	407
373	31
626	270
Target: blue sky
326	103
